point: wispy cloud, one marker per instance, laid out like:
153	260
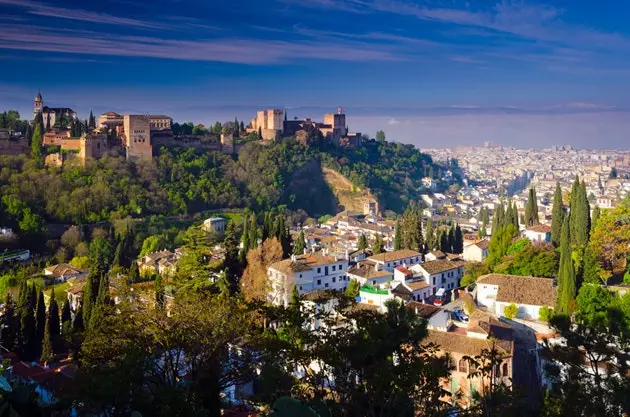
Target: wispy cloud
46	10
243	51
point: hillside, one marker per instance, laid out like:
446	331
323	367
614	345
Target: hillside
349	197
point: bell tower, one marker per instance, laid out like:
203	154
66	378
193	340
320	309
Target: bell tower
38	105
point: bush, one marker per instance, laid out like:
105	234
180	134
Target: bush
545	313
510	311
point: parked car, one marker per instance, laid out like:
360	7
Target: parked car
460	315
439	298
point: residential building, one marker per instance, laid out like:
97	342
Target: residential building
477	251
443	273
390	260
437	318
414	282
161	263
215	224
308	272
366	272
539	233
375	296
56	274
529	294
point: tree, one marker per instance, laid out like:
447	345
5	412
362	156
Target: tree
362	243
613	173
254	284
36	143
53	318
398	236
380	136
28	333
531	209
153	244
353	288
231	262
592	304
592	270
242	256
566	273
47	345
545	314
78	325
40	320
610	240
134	272
458	243
412	228
300	244
557	216
379	245
66	317
430	238
579	214
595	217
10	325
510	311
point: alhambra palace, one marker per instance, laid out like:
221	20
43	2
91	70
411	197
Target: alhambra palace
138	136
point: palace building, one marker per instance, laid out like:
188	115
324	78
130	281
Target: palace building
52	115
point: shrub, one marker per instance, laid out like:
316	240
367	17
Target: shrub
545	313
510	311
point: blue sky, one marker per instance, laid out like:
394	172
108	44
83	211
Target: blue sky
432	73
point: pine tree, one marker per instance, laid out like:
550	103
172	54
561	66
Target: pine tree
557	216
362	242
47	344
40	318
92	122
10	325
566	273
398	237
300	244
379	246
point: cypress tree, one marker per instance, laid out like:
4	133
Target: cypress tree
66	317
53	317
444	241
28	333
10	322
101	303
458	246
531	209
244	241
362	243
398	237
88	294
566	273
557	216
451	239
47	344
78	325
40	319
134	272
231	262
515	221
596	214
300	244
573	208
379	246
160	303
430	241
294	301
592	269
253	233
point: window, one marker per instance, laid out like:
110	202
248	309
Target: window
300	275
300	288
319	282
497	371
334	268
319	270
505	369
373	282
463	365
326	285
334	279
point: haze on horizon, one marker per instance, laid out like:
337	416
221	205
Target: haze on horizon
432	73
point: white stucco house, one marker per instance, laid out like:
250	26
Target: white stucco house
477	251
529	294
539	233
390	260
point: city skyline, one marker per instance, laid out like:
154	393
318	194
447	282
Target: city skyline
425	72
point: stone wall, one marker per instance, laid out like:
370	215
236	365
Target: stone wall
14	147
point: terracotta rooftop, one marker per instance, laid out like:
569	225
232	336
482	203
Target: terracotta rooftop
395	255
367	270
482	244
441	265
423	310
304	263
60	270
471	346
417	285
522	290
540	228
